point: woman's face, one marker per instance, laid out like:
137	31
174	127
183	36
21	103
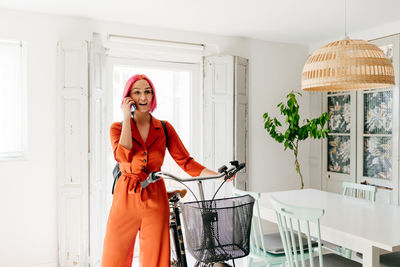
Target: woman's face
142	95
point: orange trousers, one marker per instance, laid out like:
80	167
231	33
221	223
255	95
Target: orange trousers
137	210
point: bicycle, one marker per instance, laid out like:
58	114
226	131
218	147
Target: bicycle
209	224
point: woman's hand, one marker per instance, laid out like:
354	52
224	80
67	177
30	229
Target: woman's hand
230	179
126	106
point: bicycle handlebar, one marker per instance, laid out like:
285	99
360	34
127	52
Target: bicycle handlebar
155	176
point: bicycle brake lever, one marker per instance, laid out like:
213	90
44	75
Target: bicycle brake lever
234	163
233	172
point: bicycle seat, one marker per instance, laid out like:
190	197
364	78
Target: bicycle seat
181	192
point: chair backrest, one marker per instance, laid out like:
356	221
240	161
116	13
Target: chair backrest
367	192
257	245
293	219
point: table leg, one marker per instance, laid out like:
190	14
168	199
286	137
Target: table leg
371	257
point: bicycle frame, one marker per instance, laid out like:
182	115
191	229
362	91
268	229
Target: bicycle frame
176	228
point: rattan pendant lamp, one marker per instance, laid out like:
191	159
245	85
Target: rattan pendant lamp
346	65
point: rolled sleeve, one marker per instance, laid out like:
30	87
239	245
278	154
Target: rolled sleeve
121	153
179	153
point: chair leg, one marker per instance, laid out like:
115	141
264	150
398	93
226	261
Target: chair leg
347	253
249	261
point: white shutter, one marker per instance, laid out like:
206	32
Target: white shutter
241	121
218	113
225	115
98	138
72	153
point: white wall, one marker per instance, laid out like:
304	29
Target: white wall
28	225
274	70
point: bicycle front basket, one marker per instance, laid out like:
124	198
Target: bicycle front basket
219	229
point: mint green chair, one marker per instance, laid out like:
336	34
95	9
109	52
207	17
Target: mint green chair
291	221
367	192
265	250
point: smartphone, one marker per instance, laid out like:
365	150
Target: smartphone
133	107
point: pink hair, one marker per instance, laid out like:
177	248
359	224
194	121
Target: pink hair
131	81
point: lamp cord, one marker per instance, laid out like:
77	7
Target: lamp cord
345	20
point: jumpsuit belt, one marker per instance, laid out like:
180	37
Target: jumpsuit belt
134	180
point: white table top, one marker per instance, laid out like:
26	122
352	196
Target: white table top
347	221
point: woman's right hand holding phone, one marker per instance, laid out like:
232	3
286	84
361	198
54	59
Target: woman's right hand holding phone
126	107
126	137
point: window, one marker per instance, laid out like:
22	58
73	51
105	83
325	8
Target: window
177	91
362	145
12	100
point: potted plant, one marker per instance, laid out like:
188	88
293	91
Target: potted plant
314	128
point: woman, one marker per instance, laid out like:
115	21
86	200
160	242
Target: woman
139	146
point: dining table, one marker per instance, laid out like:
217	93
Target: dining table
363	226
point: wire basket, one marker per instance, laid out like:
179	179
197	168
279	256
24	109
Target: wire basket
219	229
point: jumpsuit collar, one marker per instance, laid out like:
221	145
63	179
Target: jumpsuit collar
154	132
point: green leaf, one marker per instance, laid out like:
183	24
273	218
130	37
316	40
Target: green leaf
291	146
277	123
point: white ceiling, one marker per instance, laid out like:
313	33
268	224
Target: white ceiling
293	21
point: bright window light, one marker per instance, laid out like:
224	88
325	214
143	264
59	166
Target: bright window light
173	89
12	100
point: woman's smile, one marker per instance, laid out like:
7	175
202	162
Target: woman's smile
142	106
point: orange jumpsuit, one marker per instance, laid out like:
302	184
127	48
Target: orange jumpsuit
145	210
